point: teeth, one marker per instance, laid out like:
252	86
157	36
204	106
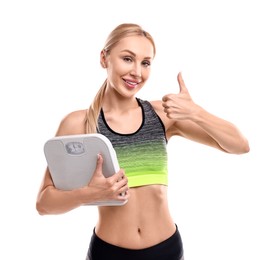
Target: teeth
132	83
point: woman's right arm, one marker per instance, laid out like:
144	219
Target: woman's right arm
54	201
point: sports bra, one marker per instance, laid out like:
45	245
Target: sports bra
142	154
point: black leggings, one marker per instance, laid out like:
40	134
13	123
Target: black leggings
170	249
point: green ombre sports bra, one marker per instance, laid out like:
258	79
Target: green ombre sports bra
142	154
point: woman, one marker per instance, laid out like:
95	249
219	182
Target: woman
139	131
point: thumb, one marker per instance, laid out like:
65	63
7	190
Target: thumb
182	86
97	172
99	165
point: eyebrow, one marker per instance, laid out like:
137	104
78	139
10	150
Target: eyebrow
133	54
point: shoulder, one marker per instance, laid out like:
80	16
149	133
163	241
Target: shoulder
73	123
157	105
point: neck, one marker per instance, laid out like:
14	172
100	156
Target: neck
116	102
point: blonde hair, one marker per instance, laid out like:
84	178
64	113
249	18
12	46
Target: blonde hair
120	32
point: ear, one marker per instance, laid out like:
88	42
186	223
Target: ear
103	59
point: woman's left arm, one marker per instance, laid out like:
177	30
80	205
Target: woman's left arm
193	122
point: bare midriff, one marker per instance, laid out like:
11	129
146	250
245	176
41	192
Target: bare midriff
142	222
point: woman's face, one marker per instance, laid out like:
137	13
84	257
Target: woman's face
128	65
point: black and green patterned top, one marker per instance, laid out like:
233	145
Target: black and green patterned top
142	154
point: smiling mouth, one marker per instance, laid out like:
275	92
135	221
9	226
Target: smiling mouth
131	84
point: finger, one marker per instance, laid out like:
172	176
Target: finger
182	86
123	188
98	170
122	183
118	176
124	195
165	98
99	164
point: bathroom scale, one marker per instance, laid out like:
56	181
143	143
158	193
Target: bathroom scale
72	159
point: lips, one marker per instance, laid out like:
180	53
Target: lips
131	83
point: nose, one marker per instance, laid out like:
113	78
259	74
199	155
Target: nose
136	71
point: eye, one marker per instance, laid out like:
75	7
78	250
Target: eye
146	63
127	59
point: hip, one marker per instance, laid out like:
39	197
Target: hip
170	248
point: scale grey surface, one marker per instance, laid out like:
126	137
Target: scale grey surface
72	160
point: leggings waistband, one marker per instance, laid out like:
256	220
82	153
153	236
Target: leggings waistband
170	249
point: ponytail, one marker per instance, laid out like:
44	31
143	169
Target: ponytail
93	112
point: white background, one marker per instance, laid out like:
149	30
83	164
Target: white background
226	206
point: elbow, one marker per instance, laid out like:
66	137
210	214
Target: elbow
238	149
247	149
43	202
40	209
244	148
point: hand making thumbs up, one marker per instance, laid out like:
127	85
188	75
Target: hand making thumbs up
179	106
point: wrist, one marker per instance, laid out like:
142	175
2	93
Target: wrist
85	195
197	114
